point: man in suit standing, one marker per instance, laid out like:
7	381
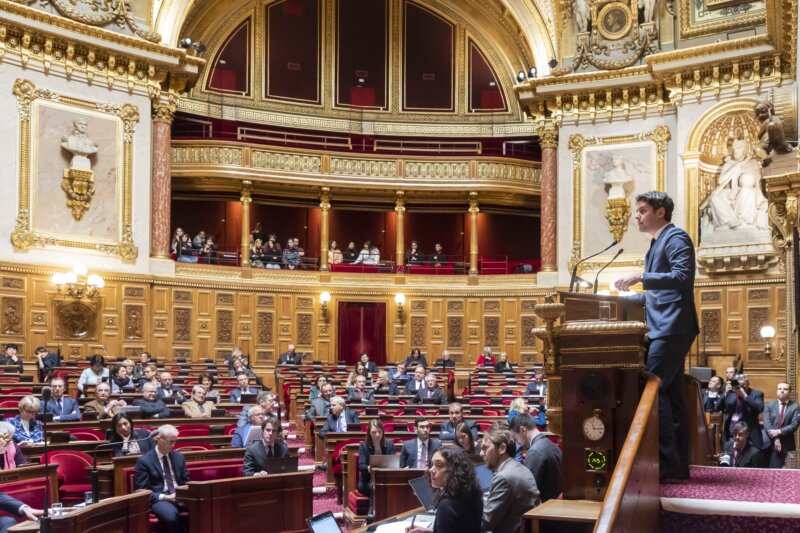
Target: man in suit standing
255	417
744	404
416	383
781	420
456	417
544	459
149	404
431	393
321	406
162	470
371	366
197	406
668	281
257	454
17	508
360	393
341	419
417	453
243	388
513	491
63	408
290	357
742	453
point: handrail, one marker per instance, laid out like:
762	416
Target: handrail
635	479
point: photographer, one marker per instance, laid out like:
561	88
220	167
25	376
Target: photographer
740	453
208	251
743	404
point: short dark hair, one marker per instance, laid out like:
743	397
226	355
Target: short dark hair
41	349
419	420
276	424
740	427
523	420
501	435
97	359
657	200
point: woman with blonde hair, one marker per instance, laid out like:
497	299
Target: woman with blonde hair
10	455
27	430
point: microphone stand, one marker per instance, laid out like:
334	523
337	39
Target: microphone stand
604	267
575	267
96	473
44	520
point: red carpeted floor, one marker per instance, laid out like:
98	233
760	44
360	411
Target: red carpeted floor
323	501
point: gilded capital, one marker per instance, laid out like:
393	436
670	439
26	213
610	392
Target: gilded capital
473	203
548	137
164	111
325	199
400	202
246	190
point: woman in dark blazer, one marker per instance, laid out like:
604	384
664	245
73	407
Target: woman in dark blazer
375	443
126	439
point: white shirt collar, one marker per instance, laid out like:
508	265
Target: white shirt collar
660	231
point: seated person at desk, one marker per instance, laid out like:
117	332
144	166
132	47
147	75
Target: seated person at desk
240	367
341	419
459	503
417	453
126	439
741	452
431	393
255	417
63	408
322	405
513	491
466	441
149	375
243	388
385	385
162	470
11	456
371	366
290	356
269	445
11	358
544	458
537	386
438	257
359	370
169	393
197	406
149	404
15	507
46	362
93	375
444	361
486	359
360	392
266	400
503	365
27	430
399	373
520	406
316	389
207	381
456	417
102	404
138	368
417	383
374	443
120	380
415	359
713	397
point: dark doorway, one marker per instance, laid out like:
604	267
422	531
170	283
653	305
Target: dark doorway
362	328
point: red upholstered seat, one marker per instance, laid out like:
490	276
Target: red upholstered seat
336	458
479	401
193	430
193	445
358	503
73	480
231	429
87	434
9	403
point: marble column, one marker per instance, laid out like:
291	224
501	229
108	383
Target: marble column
325	206
400	246
549	187
161	182
246	200
473	232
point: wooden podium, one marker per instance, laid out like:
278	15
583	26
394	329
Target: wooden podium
594	368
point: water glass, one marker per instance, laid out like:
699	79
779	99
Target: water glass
56	509
604	311
87	497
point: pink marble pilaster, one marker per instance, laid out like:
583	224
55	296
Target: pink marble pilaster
549	189
161	181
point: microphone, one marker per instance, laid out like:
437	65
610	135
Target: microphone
575	267
619	252
44	521
95	473
47	393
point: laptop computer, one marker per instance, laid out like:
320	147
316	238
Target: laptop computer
384	461
281	465
323	523
424	492
248	398
253	435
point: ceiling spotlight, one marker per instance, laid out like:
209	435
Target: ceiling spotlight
200	47
532	73
492	84
187	43
521	76
553	63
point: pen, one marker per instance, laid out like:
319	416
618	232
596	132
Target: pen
412	521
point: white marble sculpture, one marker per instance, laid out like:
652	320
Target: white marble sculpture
80	145
649	9
580	8
617	177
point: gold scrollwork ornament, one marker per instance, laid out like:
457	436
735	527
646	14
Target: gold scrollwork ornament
618	213
78	184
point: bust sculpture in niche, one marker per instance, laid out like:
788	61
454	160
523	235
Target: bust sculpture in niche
80	145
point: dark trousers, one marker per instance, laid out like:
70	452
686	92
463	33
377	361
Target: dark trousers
666	357
775	459
169	519
6	522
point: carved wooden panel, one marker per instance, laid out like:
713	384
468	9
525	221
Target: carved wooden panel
491	327
224	326
182	353
418	331
528	338
305	303
304	329
13	316
134	322
265	301
264	355
13	283
454	306
711	320
183	297
455	335
133	352
75	320
528	305
182	324
265	328
756	319
491	305
39	318
528	357
710	297
419	305
758	294
134	292
225	298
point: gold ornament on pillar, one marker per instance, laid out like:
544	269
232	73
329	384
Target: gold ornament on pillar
618	213
548	137
325	206
246	200
164	111
473	234
400	209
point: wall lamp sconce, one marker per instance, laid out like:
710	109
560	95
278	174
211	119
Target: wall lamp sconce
521	76
768	333
324	298
187	43
531	73
400	300
78	283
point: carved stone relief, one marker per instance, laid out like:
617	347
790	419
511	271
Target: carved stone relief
265	328
12	316
418	331
304	329
528	338
224	326
182	323
134	318
711	320
75	320
491	326
454	332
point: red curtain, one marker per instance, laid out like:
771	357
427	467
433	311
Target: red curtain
362	328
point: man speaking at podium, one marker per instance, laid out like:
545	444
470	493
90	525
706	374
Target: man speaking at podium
668	281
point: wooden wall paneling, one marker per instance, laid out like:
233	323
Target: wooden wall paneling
473	324
508	328
438	330
159	309
286	329
244	315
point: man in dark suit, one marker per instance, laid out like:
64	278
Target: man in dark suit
544	459
668	281
417	453
537	386
290	357
149	405
713	397
742	453
255	417
744	404
63	408
781	420
456	417
417	382
371	366
162	470
431	393
168	392
320	406
340	419
360	393
255	458
11	357
244	388
266	400
17	508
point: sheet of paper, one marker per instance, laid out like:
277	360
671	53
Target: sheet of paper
421	520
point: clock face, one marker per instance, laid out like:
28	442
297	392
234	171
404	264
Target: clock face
593	428
596	460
